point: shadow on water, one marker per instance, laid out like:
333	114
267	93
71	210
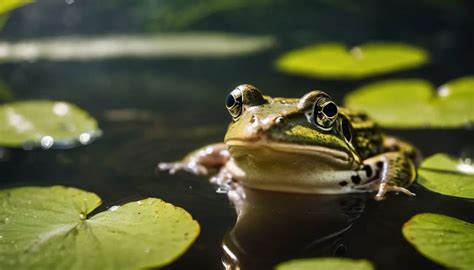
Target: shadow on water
272	227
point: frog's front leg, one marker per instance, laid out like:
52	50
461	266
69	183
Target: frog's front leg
392	172
202	161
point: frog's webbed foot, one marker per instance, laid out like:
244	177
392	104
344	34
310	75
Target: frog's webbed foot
394	171
199	162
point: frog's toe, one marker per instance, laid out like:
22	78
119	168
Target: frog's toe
384	188
171	167
197	169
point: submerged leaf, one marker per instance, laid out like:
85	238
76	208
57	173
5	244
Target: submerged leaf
8	5
48	228
3	20
325	264
445	240
413	103
443	174
334	60
5	93
46	124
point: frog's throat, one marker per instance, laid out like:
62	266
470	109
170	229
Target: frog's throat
321	151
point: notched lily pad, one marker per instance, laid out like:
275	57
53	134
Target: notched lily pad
414	103
445	240
443	174
334	60
49	228
325	264
46	124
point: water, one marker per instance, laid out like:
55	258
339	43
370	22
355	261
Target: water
153	110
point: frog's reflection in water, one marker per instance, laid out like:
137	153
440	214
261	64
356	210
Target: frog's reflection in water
272	227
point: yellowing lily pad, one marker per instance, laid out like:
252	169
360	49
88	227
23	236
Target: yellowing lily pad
49	228
46	124
445	240
334	60
443	174
414	103
325	264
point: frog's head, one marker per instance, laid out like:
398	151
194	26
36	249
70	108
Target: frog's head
311	125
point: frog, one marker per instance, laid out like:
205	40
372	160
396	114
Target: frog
302	145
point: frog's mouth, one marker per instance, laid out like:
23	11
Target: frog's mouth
335	156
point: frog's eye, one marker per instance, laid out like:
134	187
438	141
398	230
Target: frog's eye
241	97
319	109
324	113
234	103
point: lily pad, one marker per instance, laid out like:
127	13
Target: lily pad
46	124
49	228
414	103
334	60
443	174
445	240
325	264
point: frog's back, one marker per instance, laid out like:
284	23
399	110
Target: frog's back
366	136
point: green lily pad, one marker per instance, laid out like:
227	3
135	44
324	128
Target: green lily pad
325	264
49	228
443	174
414	103
334	60
445	240
46	124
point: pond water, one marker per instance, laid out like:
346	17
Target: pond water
158	109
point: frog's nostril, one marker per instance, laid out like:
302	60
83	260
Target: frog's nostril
280	120
253	118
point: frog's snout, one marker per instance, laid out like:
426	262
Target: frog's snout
262	124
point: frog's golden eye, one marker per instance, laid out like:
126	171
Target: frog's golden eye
324	113
241	97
